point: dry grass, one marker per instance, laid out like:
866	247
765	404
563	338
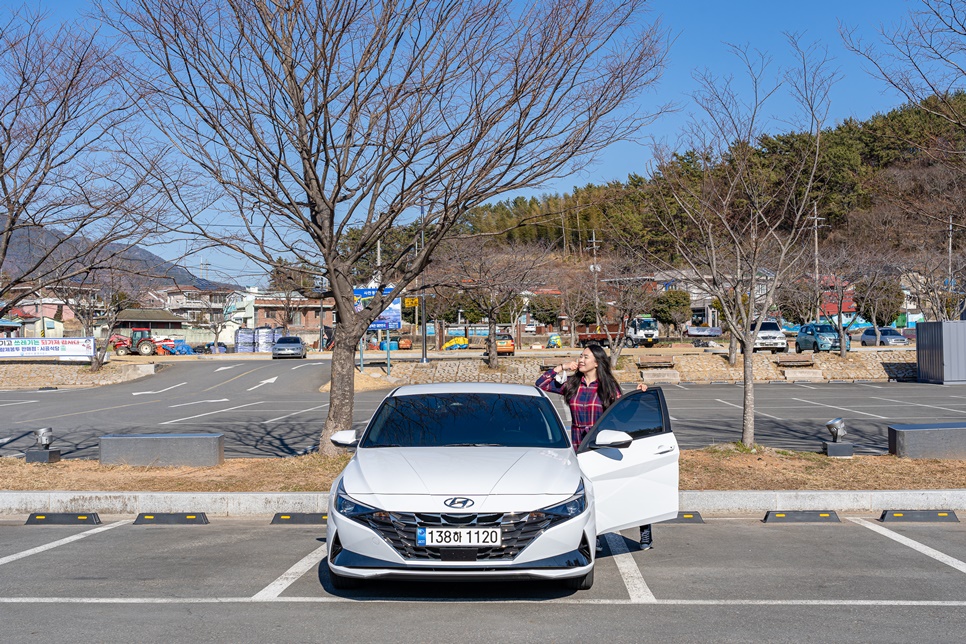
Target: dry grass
364	382
726	467
310	473
732	467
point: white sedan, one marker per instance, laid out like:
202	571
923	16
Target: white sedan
479	481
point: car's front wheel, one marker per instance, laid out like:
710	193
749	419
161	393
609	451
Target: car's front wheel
580	583
344	583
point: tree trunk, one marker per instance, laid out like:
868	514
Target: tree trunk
341	397
748	406
491	361
732	350
842	345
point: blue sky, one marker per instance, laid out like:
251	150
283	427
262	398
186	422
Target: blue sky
701	29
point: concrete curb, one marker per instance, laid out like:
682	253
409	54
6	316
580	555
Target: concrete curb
246	504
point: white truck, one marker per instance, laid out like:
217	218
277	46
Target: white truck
642	330
771	338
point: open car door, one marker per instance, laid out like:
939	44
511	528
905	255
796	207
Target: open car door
635	482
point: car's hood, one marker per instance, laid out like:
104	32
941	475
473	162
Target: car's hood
461	471
829	336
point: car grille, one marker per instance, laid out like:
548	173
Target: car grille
518	530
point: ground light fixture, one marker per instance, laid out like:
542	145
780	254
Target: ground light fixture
838	448
42	452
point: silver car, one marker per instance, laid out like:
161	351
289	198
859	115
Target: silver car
888	337
290	346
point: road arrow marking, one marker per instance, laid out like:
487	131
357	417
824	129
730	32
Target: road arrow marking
311	364
265	382
152	393
198	402
232	366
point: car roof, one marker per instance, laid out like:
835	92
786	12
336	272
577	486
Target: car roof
466	388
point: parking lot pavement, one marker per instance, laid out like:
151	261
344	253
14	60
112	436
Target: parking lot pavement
729	579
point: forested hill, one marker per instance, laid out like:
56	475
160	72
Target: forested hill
888	175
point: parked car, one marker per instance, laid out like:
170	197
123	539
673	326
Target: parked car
479	482
888	336
210	348
530	329
504	344
770	338
819	337
289	346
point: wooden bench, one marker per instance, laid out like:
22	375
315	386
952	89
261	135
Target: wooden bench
792	360
655	362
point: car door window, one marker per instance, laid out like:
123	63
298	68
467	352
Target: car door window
639	413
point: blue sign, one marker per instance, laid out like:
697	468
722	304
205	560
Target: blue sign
390	319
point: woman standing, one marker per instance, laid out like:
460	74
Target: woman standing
589	392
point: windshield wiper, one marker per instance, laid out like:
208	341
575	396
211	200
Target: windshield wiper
473	445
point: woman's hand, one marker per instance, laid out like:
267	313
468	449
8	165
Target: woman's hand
567	366
641	386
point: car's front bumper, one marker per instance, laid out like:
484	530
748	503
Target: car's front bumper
287	353
562	551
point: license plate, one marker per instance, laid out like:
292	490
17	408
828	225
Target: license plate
459	537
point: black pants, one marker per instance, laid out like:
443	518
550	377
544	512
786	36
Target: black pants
646	534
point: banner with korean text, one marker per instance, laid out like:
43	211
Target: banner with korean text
47	348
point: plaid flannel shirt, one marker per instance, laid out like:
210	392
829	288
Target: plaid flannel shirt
585	406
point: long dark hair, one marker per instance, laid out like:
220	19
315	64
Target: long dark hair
607	386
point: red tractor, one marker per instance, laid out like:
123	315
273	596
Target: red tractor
140	341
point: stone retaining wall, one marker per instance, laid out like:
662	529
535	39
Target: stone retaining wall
702	368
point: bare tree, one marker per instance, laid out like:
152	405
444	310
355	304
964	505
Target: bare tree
75	180
629	291
736	215
576	293
840	267
493	278
325	127
878	292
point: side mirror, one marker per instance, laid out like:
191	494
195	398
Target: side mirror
612	438
345	438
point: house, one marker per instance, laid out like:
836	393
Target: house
274	309
197	306
158	320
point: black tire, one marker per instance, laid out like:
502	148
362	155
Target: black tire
122	351
629	343
146	348
344	583
798	349
580	583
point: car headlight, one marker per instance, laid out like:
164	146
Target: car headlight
349	507
570	508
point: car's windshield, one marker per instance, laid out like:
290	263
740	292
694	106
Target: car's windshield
503	336
647	323
770	326
887	332
288	341
465	419
824	328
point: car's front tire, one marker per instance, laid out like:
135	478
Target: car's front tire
580	583
346	583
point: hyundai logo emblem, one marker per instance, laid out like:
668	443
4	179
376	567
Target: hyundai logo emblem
459	502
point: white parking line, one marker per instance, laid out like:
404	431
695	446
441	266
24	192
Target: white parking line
196	402
636	586
760	413
862	384
915	545
955	411
851	411
60	542
294	413
292	575
806	386
16	402
152	393
178	420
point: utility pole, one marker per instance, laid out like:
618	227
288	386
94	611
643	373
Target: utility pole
949	261
595	269
818	288
422	295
